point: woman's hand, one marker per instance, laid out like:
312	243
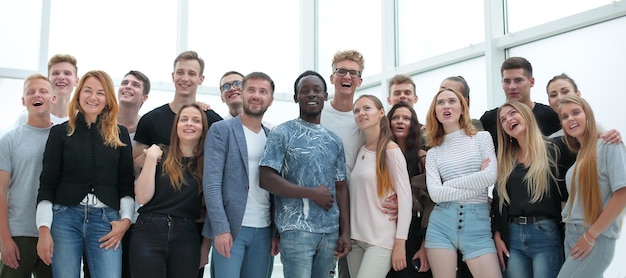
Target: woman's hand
582	247
421	255
398	255
45	245
114	238
154	152
501	249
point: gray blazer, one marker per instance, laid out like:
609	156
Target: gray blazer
225	179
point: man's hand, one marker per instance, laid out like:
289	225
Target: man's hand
323	197
203	106
421	254
343	246
114	238
10	253
501	249
275	245
390	206
223	243
45	245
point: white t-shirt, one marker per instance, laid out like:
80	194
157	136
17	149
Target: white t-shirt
257	214
343	124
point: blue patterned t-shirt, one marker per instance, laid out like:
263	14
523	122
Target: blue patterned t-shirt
308	155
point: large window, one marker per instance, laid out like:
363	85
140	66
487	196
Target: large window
20	24
116	36
524	14
247	36
430	28
350	24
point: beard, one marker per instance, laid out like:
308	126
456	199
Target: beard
258	113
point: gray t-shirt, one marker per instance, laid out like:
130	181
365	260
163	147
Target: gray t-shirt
21	155
611	164
308	155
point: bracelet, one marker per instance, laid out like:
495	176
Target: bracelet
588	242
591	236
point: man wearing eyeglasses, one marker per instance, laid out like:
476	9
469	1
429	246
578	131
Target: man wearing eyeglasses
230	89
347	68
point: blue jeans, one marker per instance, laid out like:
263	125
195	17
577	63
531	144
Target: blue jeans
76	229
249	256
595	263
164	246
306	255
536	250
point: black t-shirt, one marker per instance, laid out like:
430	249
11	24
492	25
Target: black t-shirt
167	200
547	120
155	127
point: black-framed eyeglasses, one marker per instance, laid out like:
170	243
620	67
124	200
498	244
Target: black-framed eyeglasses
353	73
235	85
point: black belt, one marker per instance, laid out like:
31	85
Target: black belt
527	220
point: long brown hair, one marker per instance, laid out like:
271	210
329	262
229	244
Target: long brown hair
434	129
585	174
173	163
383	178
108	117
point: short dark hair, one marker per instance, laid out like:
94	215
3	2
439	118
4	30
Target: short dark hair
401	79
258	75
564	77
305	74
230	73
460	79
143	78
517	63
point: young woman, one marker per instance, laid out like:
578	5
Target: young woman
563	85
87	182
460	166
407	134
597	193
165	240
528	195
380	171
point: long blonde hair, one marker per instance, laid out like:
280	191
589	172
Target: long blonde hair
383	178
108	117
434	129
173	163
539	174
585	173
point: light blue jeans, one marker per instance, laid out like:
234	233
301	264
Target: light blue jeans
249	256
78	228
306	255
535	249
595	263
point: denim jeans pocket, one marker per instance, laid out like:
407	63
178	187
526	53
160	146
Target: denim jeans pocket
56	208
110	214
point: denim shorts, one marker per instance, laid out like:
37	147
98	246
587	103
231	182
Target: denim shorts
463	227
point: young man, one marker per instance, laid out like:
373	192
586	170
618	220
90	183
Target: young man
241	231
63	74
155	127
230	88
517	79
21	153
402	88
305	169
131	95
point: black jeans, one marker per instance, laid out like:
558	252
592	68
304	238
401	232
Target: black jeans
164	246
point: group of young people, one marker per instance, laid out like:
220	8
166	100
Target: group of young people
85	179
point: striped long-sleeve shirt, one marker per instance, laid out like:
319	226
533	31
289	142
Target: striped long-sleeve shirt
453	168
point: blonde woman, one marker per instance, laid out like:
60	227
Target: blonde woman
460	167
597	193
379	172
528	195
87	182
